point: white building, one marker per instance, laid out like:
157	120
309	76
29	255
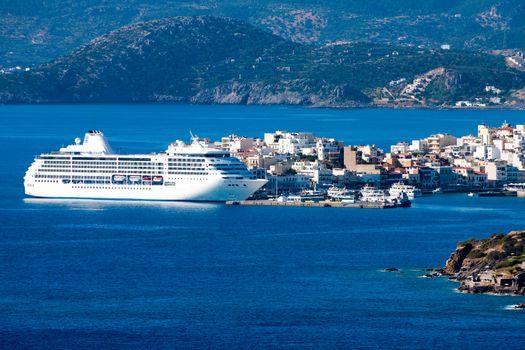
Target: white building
419	146
328	149
295	143
287	183
487	152
400	147
496	171
315	171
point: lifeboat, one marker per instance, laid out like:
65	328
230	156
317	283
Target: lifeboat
134	178
119	178
157	180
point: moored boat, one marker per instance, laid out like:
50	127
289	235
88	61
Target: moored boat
411	191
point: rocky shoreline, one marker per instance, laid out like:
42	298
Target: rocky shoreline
492	265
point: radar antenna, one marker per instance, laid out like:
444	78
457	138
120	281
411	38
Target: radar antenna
195	139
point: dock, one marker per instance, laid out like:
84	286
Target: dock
498	194
321	204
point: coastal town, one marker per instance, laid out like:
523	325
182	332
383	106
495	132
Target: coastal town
302	167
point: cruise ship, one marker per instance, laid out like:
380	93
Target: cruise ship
90	169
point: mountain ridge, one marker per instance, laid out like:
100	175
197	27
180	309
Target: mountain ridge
34	32
206	59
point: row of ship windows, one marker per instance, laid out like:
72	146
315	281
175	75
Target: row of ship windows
103	179
137	172
74	177
99	166
99	169
120	169
51	163
68	162
187	162
80	177
135	185
55	163
174	160
187	173
185	168
230	168
112	188
138	166
123	163
103	171
60	168
200	156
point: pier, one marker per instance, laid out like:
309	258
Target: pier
321	204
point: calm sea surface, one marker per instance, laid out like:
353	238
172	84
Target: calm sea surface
101	274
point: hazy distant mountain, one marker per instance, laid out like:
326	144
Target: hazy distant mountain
35	31
218	60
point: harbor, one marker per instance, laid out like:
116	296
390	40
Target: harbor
321	204
204	272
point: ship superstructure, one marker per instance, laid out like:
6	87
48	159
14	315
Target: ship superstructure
90	169
399	188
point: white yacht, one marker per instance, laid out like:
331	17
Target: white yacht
341	194
374	195
90	169
397	189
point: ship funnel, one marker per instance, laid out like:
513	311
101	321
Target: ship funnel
94	142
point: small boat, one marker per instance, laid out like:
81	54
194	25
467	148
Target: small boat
437	190
341	194
374	195
471	194
309	195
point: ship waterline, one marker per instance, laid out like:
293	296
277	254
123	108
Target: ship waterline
183	172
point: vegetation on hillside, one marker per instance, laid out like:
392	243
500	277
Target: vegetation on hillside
34	32
219	60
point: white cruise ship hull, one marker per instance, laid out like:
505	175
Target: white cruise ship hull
218	190
91	170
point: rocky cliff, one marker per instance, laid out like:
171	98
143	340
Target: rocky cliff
492	265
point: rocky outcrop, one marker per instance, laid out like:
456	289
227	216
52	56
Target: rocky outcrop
455	261
492	265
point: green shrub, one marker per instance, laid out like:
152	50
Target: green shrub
496	255
476	254
507	263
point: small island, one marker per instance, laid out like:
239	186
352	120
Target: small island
492	265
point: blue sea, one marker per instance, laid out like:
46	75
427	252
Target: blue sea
89	274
